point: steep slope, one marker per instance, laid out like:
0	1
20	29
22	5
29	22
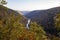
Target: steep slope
45	18
6	12
12	24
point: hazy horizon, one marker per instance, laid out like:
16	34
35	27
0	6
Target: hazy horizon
29	5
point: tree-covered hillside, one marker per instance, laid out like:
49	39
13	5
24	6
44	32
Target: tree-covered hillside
11	24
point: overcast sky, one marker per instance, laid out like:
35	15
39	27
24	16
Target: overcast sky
29	5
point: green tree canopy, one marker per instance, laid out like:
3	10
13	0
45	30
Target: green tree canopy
38	30
3	2
57	21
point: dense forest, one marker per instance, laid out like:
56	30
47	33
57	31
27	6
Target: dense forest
13	25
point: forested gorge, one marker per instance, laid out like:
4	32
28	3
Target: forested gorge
13	26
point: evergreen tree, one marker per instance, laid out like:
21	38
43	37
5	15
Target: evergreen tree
3	2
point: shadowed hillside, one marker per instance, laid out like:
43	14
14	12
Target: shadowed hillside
45	18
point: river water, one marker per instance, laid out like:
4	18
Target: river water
27	25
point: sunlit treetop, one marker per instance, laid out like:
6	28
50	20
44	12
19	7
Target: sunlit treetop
3	2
